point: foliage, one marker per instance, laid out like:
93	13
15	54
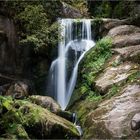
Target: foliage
112	91
104	10
15	118
135	77
79	4
93	96
92	64
112	9
95	59
36	28
124	9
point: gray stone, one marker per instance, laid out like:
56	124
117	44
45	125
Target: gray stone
123	30
126	40
46	102
112	117
114	75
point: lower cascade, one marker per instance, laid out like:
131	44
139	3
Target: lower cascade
76	40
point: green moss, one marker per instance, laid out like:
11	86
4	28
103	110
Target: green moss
93	64
18	130
21	117
98	130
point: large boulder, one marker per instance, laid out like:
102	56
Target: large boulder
129	53
35	121
46	102
51	105
111	23
126	40
114	75
20	89
112	117
123	30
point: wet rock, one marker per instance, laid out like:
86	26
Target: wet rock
20	89
114	75
123	30
46	102
126	40
112	117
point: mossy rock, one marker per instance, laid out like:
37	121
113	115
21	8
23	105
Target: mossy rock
25	120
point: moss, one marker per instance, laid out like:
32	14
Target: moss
97	130
134	77
90	67
20	118
18	130
11	121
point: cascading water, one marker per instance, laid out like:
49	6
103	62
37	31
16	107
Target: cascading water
75	41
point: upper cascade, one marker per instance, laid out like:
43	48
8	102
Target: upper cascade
76	40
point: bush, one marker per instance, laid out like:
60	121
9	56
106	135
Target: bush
36	28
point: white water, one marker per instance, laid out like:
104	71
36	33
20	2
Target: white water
75	42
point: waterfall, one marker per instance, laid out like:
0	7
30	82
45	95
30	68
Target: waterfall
76	40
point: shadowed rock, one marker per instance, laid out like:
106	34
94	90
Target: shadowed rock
135	122
20	89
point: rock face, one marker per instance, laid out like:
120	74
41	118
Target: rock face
131	53
22	119
14	59
123	30
8	48
126	40
125	35
108	108
112	118
114	75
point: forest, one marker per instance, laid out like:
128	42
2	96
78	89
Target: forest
69	69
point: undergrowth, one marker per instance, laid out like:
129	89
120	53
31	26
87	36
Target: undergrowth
93	64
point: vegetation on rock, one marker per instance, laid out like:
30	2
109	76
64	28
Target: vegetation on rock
90	67
21	119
